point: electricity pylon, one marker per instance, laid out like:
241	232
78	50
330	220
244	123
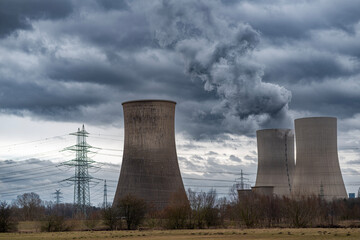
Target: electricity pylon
241	185
82	178
105	195
58	196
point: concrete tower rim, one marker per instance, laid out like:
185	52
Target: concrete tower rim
273	129
148	100
305	118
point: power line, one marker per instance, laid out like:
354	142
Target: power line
33	141
30	176
30	188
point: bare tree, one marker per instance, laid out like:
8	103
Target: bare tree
111	217
302	212
30	203
204	211
133	209
223	207
178	211
248	210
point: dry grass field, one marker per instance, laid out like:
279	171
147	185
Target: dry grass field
284	233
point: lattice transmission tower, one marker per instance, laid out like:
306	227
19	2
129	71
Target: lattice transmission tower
105	195
58	196
82	178
240	182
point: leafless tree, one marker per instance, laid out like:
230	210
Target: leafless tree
111	217
133	209
178	211
30	204
302	212
203	206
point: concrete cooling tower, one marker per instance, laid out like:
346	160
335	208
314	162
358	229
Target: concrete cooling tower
317	164
150	168
275	160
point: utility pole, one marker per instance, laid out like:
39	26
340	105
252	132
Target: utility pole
58	196
105	195
82	178
241	180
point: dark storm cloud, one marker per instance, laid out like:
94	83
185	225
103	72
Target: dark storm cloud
111	4
232	66
305	67
45	97
114	31
283	20
18	14
312	49
335	97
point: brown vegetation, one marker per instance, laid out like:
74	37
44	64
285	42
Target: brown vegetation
201	210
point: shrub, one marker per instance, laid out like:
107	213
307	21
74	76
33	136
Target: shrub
7	222
54	223
110	216
177	216
133	210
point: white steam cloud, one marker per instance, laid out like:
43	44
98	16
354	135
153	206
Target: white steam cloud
218	52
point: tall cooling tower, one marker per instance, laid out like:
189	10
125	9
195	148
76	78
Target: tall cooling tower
275	160
317	164
150	168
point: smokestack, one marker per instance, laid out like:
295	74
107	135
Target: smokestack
275	160
150	168
317	164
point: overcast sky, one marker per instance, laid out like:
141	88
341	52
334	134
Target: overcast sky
233	67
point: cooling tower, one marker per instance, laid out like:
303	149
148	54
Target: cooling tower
263	190
150	168
275	160
317	164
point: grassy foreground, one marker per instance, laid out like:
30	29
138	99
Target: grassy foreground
275	233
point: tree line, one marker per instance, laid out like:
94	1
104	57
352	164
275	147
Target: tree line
200	210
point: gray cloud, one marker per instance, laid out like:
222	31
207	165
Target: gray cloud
232	66
211	153
356	162
250	158
111	4
282	20
235	159
17	14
